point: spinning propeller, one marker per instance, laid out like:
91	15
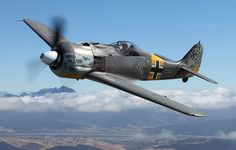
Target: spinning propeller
51	58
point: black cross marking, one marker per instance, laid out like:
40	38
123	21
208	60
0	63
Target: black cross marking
156	68
193	54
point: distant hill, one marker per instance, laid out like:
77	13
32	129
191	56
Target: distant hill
5	146
41	92
2	93
62	89
79	147
151	121
201	144
9	95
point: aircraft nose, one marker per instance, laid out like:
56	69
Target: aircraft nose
48	57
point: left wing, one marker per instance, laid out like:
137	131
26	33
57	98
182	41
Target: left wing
124	85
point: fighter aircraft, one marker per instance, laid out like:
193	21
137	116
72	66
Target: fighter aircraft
118	64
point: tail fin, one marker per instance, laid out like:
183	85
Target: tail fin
192	62
193	58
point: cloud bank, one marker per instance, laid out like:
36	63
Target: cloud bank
115	101
230	135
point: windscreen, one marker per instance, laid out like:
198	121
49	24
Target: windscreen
126	48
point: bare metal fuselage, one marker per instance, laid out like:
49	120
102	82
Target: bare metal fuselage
137	65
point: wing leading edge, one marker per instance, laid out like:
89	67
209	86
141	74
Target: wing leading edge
124	85
43	31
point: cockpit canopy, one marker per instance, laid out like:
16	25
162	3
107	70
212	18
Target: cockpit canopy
127	48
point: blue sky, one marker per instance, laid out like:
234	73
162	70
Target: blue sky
166	27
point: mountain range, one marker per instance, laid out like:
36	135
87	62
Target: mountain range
41	92
149	121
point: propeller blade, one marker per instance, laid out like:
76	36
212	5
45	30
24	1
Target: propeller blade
58	25
34	68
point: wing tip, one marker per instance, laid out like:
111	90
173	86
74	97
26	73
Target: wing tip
27	21
198	115
214	82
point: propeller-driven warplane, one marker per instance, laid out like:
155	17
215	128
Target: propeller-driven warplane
117	64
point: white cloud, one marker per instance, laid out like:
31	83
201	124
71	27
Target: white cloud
140	136
165	134
230	135
3	129
207	99
115	100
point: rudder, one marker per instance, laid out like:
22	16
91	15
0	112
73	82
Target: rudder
193	58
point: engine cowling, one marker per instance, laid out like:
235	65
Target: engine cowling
73	64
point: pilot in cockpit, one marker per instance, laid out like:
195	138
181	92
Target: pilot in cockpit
132	51
124	49
125	46
127	49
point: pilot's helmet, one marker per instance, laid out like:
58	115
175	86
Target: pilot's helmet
125	46
132	47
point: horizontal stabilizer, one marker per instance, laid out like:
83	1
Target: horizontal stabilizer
199	75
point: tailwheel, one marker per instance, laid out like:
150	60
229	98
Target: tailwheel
185	79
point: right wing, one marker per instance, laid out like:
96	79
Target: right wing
124	85
43	31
